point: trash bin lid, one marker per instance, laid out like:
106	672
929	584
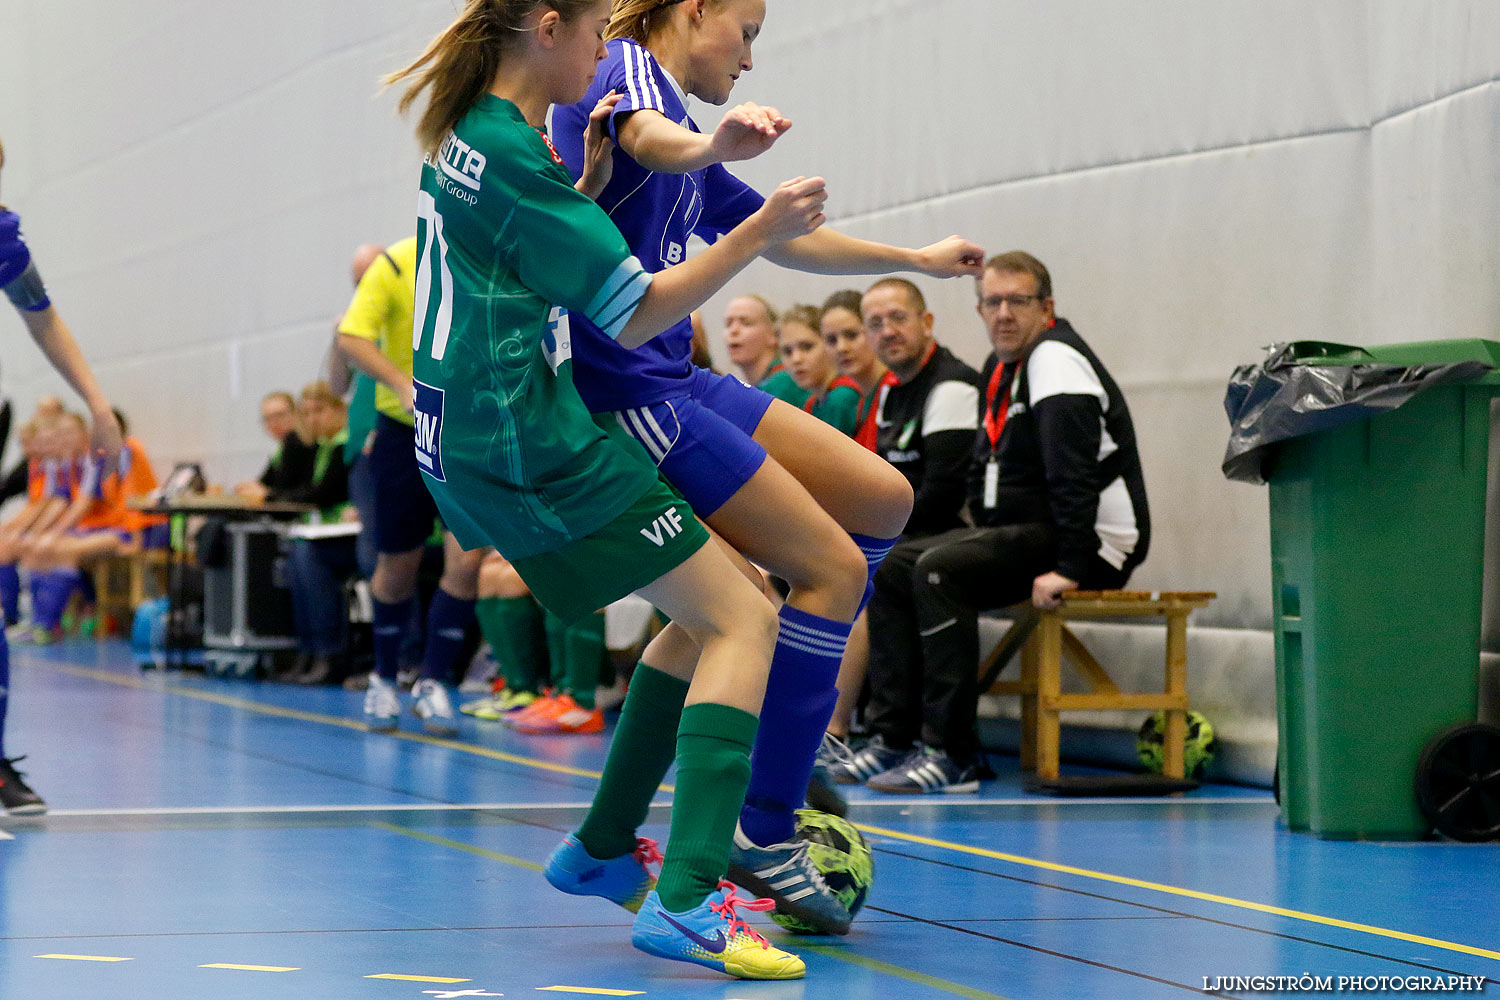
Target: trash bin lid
1417	352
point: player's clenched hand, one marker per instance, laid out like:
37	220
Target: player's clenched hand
794	209
598	163
954	257
747	131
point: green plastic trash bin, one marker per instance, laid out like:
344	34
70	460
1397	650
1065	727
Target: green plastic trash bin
1377	552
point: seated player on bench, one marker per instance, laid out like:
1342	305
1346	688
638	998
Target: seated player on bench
1058	502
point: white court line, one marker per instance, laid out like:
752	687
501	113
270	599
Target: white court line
1067	800
905	802
254	810
5	836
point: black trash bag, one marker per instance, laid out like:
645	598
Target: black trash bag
1278	399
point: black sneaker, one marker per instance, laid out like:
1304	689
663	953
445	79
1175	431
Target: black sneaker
15	797
822	794
927	769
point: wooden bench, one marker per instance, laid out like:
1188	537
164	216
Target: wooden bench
1045	641
121	583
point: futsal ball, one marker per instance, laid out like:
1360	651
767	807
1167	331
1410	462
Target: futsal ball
1197	750
842	857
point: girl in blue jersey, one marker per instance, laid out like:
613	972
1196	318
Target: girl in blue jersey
820	512
22	284
511	256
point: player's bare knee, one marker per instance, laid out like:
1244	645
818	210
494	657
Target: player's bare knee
838	571
890	502
745	615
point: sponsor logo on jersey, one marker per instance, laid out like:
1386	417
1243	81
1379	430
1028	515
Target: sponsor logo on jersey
664	528
557	339
428	424
556	157
457	168
460	161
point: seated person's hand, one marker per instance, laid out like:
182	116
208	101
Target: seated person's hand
350	515
1047	590
252	491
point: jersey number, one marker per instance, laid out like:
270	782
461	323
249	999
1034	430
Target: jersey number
436	248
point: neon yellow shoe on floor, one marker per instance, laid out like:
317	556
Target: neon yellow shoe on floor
496	706
713	935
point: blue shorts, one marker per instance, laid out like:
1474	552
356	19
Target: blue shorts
702	439
404	510
156	536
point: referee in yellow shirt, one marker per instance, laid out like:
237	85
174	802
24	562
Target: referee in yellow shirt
376	336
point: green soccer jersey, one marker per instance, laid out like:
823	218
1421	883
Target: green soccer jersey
838	408
507	249
779	383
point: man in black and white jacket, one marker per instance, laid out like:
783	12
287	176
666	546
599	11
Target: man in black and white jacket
1058	502
926	420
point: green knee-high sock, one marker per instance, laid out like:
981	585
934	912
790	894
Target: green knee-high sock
513	628
643	748
713	771
579	648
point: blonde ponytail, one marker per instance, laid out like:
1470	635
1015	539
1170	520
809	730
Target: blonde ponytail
459	65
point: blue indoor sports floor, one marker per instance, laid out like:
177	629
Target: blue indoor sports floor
226	840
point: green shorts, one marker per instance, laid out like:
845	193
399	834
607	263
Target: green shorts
654	536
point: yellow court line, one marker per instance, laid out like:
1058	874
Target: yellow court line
459	845
590	992
252	968
254	706
419	979
85	958
328	720
1173	890
910	975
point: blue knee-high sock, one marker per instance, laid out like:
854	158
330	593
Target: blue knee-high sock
447	619
10	593
389	630
799	702
4	687
50	592
875	550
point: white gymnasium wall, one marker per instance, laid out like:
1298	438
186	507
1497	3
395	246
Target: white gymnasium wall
1202	179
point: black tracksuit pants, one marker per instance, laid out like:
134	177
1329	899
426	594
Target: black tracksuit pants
924	627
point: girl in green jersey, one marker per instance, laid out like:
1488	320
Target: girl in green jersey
832	398
508	249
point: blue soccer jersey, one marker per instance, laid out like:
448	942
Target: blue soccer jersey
18	275
657	213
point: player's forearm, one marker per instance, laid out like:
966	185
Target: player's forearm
56	341
664	146
365	356
830	252
54	517
679	290
340	374
23	520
